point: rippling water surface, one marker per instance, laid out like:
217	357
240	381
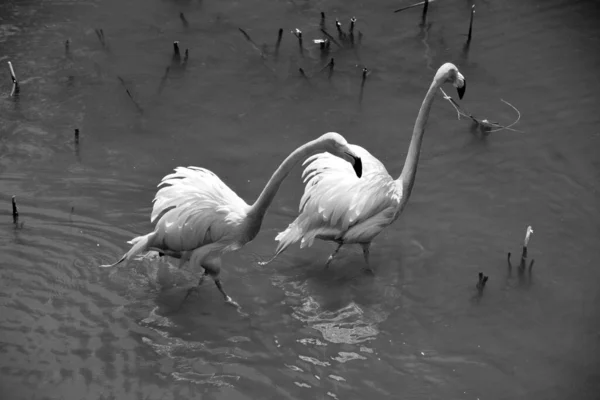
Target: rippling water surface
417	329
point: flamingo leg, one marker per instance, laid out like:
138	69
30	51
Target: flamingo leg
193	288
366	252
332	256
212	266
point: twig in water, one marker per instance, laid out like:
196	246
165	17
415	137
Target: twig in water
416	5
186	57
523	262
322	20
329	65
163	80
471	24
99	36
15	88
12	74
365	71
182	17
481	282
279	37
15	211
484	124
298	34
130	96
252	43
102	38
331	38
303	73
528	233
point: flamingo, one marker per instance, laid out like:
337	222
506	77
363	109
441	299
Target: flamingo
338	207
199	218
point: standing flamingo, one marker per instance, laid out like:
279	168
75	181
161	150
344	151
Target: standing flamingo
199	218
338	207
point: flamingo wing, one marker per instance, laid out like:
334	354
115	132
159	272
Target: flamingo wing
335	200
193	208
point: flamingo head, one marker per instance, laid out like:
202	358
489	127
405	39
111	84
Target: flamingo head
337	145
448	73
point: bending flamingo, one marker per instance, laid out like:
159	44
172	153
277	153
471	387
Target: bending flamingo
199	218
338	207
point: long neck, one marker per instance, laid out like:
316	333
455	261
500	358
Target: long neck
260	206
409	171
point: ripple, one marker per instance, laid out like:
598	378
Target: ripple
349	325
348	356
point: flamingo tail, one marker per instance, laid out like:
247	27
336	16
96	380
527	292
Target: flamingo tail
140	244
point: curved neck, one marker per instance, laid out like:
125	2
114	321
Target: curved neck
409	171
260	206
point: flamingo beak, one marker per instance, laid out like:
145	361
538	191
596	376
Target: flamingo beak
461	89
357	164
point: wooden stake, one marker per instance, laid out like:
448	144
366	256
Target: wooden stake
279	37
352	22
425	7
338	25
176	54
362	84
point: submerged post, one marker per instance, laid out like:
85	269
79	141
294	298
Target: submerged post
298	34
176	54
15	211
471	24
425	7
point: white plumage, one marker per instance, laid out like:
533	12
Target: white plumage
195	208
334	205
337	206
198	217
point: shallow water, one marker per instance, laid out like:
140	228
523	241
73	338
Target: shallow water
416	330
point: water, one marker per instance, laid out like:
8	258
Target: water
416	330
